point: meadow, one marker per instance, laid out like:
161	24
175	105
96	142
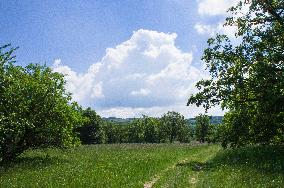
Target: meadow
147	165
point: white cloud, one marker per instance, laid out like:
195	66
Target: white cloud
142	92
156	111
215	7
82	86
146	74
97	91
212	30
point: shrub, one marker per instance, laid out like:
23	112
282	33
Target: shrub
35	109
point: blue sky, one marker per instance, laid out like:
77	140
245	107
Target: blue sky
73	38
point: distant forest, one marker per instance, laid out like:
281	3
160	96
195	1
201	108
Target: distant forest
192	121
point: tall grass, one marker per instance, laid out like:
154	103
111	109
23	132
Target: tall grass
253	166
133	165
120	165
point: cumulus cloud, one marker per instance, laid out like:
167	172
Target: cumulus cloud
212	30
215	7
147	74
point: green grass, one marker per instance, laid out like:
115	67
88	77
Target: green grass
253	166
132	165
125	165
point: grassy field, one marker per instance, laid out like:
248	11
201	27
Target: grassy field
147	165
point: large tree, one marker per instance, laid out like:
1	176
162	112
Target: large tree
35	109
247	75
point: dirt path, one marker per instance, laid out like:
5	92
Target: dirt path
150	183
192	180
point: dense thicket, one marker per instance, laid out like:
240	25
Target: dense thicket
35	109
247	75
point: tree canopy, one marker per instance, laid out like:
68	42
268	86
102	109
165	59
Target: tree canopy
35	109
202	127
247	75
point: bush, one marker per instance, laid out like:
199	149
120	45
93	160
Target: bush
35	109
92	131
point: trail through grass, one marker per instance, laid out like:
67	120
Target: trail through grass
169	175
120	165
253	166
159	165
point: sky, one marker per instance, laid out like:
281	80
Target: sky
123	58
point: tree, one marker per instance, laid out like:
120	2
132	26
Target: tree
172	125
151	129
115	133
136	131
35	109
92	131
213	135
185	134
202	127
247	77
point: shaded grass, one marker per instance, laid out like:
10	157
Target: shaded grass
118	165
253	166
186	173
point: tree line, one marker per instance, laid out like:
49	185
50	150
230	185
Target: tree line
170	127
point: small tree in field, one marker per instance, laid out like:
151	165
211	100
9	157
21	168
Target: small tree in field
202	127
172	125
35	109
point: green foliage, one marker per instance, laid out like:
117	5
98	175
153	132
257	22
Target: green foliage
115	133
35	109
169	128
202	127
174	128
247	77
93	129
136	131
151	129
214	133
144	130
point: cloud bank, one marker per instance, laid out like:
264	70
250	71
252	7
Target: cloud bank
147	74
